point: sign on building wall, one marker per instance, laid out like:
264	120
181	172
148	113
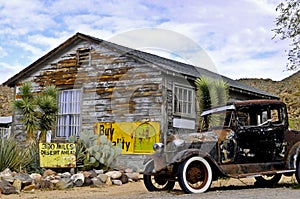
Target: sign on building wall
57	155
134	137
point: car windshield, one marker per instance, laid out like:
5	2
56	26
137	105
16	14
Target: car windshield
221	119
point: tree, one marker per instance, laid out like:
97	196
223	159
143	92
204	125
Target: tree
211	93
48	108
288	28
27	107
38	110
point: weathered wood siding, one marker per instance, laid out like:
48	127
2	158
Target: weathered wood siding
115	87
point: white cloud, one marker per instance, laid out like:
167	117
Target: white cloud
235	34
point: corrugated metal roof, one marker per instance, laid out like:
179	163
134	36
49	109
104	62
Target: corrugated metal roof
161	62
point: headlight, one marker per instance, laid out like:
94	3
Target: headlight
158	146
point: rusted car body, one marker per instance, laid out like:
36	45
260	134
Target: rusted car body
242	139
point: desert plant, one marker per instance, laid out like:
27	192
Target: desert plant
94	151
48	109
38	110
26	105
211	93
14	156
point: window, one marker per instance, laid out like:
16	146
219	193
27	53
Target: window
183	101
68	122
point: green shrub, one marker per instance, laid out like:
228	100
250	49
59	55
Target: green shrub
13	156
94	151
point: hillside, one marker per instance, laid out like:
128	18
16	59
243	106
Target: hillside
6	98
287	89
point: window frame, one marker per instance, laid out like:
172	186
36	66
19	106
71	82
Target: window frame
73	115
185	112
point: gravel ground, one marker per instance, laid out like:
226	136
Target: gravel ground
233	189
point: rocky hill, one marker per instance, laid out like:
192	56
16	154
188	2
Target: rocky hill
287	89
6	98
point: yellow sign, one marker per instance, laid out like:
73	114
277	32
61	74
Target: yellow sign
135	137
57	155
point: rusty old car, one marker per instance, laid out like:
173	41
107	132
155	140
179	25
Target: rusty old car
241	139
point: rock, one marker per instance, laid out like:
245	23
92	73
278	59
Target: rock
24	178
7	188
133	176
18	185
44	184
49	172
103	177
64	184
87	182
114	174
35	176
7	175
97	182
117	182
108	181
99	171
93	174
66	175
128	170
78	179
29	188
124	178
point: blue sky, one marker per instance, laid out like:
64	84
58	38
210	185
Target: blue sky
236	35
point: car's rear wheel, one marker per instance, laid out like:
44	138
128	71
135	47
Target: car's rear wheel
156	182
297	174
195	175
267	180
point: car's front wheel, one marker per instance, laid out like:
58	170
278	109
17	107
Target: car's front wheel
195	175
267	180
157	182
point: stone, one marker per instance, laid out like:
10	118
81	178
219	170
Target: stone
117	182
128	170
97	182
35	176
114	174
93	174
66	175
78	179
7	188
29	188
103	177
108	181
18	185
49	172
87	182
64	184
24	178
7	175
99	171
124	178
133	176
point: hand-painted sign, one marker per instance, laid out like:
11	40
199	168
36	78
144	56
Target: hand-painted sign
57	155
135	137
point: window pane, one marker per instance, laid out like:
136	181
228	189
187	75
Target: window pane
68	122
183	100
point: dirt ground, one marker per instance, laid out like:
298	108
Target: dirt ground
232	188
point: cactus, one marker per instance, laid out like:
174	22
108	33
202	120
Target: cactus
94	151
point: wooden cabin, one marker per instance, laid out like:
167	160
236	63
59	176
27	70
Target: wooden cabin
133	97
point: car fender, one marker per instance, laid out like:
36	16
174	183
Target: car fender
185	154
293	156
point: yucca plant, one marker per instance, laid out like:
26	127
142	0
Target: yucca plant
12	156
211	93
48	108
26	105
